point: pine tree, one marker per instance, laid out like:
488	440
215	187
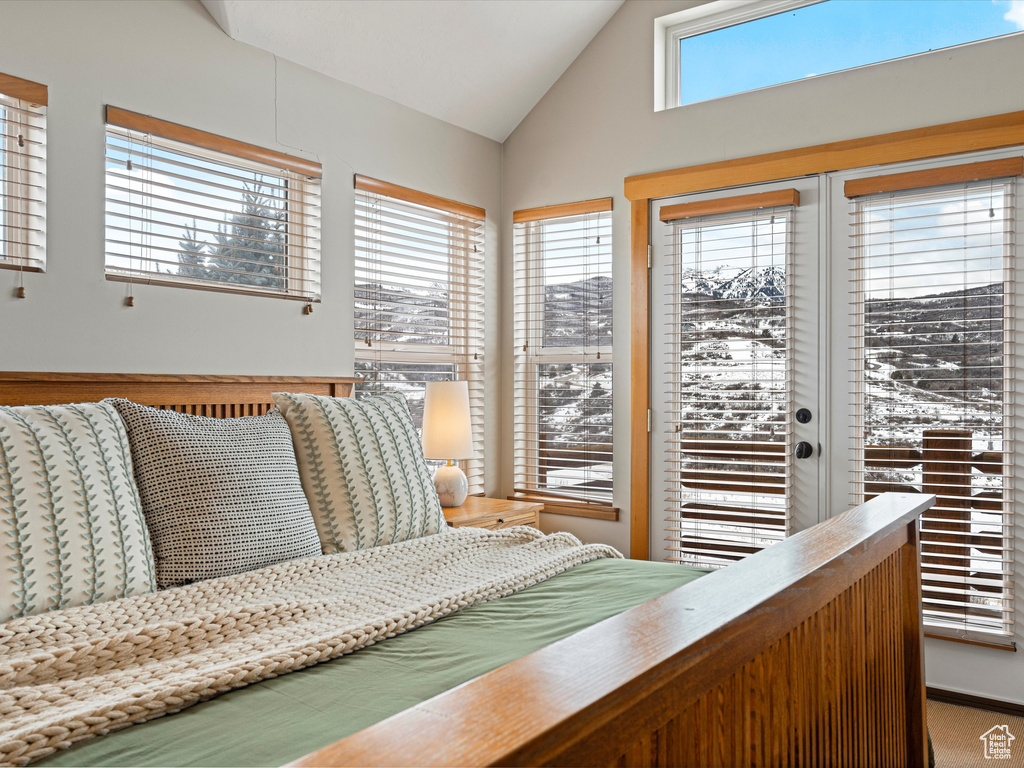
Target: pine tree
192	255
250	247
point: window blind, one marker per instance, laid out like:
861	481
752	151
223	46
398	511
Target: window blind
419	299
563	383
728	396
191	209
934	365
22	174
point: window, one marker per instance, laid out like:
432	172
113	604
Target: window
563	354
419	299
726	47
934	366
191	209
729	390
22	174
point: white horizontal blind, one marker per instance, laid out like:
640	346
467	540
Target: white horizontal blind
935	360
728	336
178	214
563	357
419	306
22	184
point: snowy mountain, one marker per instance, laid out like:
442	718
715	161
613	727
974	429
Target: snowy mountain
754	282
578	313
947	342
767	282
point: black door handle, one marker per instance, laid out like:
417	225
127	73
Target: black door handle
804	450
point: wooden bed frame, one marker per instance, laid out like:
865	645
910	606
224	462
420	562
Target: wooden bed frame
808	653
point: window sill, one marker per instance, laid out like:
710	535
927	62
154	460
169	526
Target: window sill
197	286
20	268
1009	645
571	508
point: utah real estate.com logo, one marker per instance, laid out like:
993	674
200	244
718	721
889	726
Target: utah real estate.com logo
997	742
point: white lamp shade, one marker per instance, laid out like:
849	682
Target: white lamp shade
447	433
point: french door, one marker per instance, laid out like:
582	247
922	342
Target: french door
871	313
926	386
735	417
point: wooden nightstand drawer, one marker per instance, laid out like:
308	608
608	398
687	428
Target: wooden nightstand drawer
507	521
480	512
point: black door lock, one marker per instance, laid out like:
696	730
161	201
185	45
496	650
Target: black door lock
804	450
803	416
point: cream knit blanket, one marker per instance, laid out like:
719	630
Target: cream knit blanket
70	675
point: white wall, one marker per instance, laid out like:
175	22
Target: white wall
597	125
169	59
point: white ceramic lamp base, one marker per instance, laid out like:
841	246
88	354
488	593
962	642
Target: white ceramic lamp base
452	485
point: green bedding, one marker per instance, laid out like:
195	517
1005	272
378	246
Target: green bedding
279	720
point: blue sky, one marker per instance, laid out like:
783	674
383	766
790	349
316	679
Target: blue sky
832	36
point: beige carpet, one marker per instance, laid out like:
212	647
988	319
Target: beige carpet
956	736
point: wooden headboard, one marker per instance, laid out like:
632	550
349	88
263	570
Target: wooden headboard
217	396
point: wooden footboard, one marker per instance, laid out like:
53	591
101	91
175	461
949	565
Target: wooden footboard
808	653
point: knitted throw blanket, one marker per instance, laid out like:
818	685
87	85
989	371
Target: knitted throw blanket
73	674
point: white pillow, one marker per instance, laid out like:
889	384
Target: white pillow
71	525
363	470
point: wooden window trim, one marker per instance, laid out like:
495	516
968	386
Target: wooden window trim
979	134
25	90
935	177
983	133
640	380
598	205
366	184
144	124
556	506
735	204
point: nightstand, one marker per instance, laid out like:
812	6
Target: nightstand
480	512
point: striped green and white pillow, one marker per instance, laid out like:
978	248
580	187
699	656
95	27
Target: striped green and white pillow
71	524
362	469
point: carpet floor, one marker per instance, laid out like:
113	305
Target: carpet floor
957	736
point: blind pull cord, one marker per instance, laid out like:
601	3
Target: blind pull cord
21	265
130	298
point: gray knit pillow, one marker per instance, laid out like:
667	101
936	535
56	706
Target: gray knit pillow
221	496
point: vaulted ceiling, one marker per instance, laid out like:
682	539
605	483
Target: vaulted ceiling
478	64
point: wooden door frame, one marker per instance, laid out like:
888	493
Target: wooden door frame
979	134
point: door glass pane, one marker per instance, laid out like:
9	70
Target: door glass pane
729	392
931	278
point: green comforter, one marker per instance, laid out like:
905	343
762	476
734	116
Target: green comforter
279	720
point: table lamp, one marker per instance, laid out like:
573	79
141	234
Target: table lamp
447	435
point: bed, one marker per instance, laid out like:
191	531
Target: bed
807	653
